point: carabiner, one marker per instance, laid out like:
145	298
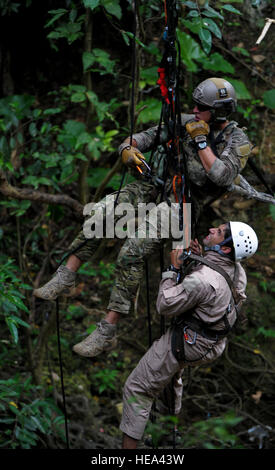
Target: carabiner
148	173
193	341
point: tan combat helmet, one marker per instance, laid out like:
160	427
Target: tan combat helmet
218	95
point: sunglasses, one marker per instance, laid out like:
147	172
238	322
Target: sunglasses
202	107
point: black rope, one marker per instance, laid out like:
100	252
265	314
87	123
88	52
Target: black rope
61	373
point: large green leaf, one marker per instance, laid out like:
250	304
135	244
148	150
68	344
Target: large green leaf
213	27
112	7
240	88
269	98
91	3
211	13
13	329
100	57
217	63
74	128
231	9
15	301
190	51
206	39
151	112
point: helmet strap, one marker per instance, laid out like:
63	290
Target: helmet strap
217	248
216	119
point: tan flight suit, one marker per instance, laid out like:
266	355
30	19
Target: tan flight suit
207	293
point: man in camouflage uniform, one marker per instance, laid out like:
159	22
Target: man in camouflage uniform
204	308
215	152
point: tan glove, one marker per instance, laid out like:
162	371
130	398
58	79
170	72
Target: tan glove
197	128
132	157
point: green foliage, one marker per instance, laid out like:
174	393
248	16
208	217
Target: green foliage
269	98
211	433
106	379
68	23
11	298
215	62
241	90
26	419
272	211
102	58
148	76
105	272
150	109
241	50
50	152
70	28
267	285
249	110
73	311
206	21
269	333
7	7
17	208
195	58
111	6
96	177
214	433
163	426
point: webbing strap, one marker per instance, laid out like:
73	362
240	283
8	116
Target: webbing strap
221	271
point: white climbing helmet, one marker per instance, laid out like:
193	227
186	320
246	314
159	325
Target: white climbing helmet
245	240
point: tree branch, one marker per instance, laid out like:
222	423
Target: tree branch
244	64
33	195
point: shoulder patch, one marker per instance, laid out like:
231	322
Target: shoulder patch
243	150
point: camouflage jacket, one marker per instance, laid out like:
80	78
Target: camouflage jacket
231	146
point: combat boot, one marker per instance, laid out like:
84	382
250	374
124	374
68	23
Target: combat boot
61	283
101	339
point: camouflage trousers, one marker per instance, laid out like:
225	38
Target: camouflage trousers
129	269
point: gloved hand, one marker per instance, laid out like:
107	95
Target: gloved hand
198	130
132	157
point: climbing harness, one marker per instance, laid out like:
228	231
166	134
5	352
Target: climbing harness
182	323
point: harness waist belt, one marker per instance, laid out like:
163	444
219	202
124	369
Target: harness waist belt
198	327
202	329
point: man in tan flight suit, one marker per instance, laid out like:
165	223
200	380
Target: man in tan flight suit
203	310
